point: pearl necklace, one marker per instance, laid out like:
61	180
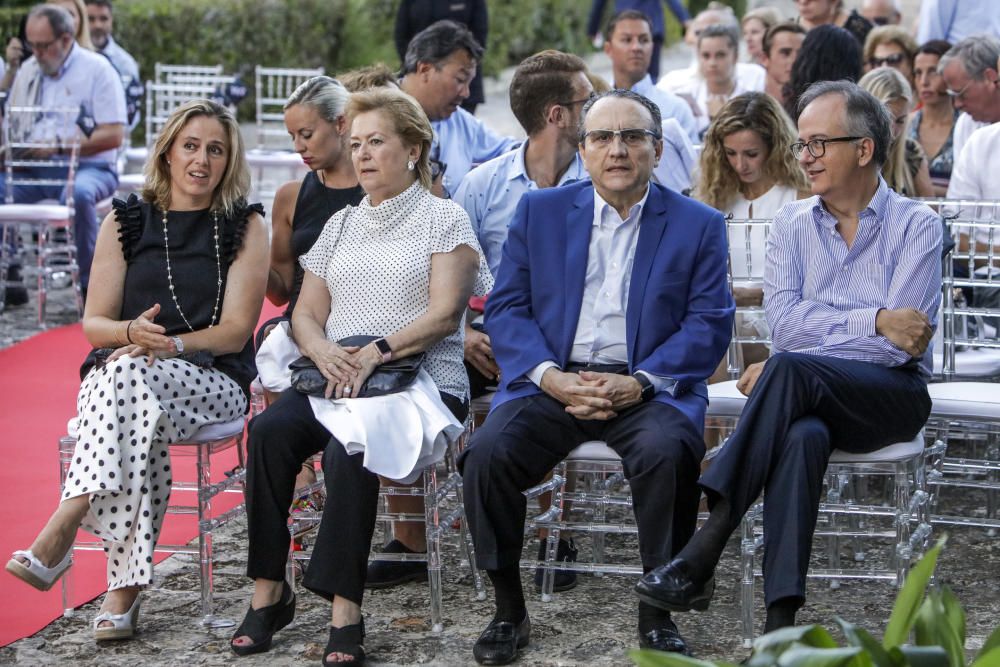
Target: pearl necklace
218	269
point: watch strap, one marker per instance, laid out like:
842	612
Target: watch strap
648	389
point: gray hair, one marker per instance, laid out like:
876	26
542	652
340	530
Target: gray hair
59	18
328	96
864	115
435	44
730	32
725	12
622	93
977	54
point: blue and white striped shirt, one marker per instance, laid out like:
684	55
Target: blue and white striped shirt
821	297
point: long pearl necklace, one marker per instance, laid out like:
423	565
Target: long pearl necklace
218	269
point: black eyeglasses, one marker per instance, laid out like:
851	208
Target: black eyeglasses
892	61
631	137
817	147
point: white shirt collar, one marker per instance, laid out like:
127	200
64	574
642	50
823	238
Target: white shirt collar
605	212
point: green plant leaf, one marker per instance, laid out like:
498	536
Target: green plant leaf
649	658
989	658
806	656
933	625
992	642
858	636
954	612
924	656
810	635
908	601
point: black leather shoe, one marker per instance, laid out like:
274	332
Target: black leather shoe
389	573
666	638
669	587
564	579
500	642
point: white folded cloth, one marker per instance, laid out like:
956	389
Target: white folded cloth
275	353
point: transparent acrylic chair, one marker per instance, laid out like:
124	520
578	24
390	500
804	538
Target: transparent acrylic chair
40	149
206	443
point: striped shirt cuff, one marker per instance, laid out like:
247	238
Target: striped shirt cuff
861	321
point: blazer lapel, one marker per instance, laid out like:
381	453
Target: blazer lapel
651	228
579	221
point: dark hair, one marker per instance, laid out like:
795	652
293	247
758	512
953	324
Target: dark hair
625	15
100	3
786	26
435	44
621	93
935	47
828	53
864	114
539	82
59	18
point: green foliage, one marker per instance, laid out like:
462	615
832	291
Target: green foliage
935	618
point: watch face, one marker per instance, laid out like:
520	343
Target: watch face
383	346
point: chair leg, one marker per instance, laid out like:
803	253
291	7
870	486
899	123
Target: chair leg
40	260
205	542
748	548
432	523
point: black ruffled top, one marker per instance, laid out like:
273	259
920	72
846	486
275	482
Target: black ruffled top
193	265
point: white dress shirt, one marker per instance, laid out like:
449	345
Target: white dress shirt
964	127
600	331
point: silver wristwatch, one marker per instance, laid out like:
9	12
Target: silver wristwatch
178	344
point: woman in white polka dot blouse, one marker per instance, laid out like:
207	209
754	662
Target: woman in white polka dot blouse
400	265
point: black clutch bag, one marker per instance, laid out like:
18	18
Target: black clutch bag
391	377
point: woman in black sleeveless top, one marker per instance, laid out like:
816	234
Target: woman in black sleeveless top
181	278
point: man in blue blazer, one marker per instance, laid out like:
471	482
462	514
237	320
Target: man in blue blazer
610	310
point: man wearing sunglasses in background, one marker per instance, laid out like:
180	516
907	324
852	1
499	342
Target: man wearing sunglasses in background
610	310
851	289
969	70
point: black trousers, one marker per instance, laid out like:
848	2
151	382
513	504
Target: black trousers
654	62
523	439
801	409
280	439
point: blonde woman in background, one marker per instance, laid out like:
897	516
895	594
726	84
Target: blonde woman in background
754	24
747	171
81	27
906	170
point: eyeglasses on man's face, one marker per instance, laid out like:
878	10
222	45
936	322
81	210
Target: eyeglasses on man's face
894	60
631	137
817	147
957	95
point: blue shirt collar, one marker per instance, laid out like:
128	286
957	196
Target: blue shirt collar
876	207
517	169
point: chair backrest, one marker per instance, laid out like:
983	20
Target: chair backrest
747	240
974	263
163	98
273	87
41	148
164	73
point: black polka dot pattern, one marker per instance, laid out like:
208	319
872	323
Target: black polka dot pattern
376	261
128	414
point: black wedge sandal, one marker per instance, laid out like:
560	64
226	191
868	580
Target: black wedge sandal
261	624
347	640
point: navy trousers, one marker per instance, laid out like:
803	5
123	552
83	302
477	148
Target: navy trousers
801	409
523	439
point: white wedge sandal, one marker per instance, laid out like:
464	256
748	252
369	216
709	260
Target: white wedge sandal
123	625
34	573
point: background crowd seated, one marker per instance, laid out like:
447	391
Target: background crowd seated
727	123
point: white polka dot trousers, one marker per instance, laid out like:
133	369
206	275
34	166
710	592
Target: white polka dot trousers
129	413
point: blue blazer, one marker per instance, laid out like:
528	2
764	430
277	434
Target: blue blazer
651	8
680	310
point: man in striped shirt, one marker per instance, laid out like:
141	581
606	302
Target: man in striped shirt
851	291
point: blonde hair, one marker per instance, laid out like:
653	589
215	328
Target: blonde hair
235	183
370	76
759	112
888	85
408	120
82	35
769	16
889	34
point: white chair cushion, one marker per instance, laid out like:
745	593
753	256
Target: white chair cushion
976	400
129	182
136	154
725	400
593	450
265	158
900	451
34	212
207	433
975	363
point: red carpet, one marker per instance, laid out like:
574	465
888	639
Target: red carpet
37	397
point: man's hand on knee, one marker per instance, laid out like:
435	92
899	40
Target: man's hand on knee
583	400
906	328
748	380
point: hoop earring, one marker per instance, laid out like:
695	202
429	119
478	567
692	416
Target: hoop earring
410	165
